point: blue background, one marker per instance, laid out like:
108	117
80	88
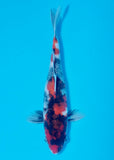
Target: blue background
26	36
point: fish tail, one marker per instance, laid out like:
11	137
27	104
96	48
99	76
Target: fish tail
55	18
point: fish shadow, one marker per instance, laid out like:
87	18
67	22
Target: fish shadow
61	47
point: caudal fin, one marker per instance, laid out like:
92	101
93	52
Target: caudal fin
55	17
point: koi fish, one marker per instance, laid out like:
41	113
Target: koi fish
55	115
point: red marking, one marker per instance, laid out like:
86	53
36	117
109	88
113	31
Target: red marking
58	126
52	58
61	127
55	40
48	136
54	148
58	109
56	50
50	87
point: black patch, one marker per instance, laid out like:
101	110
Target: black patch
50	80
56	61
60	84
51	103
59	141
54	50
50	113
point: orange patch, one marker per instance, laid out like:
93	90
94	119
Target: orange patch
55	40
58	109
56	51
50	87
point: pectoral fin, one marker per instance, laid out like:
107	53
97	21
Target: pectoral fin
74	115
37	117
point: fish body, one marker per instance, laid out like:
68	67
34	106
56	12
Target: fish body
55	114
55	103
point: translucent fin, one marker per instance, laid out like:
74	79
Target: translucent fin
55	15
52	17
71	112
45	140
74	115
67	139
37	117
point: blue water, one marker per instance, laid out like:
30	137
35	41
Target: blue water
25	48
